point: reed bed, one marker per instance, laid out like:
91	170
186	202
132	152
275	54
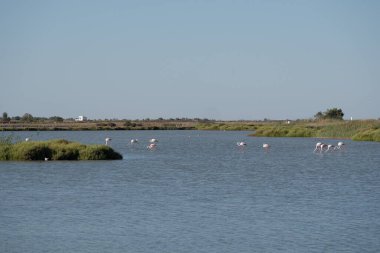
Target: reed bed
360	130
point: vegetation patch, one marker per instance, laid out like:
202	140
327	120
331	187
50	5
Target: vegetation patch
284	131
226	126
360	130
367	135
54	150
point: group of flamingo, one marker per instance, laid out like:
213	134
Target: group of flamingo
322	147
242	144
151	146
319	146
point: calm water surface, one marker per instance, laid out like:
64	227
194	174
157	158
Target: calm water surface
197	192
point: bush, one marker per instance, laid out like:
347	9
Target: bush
30	151
98	152
64	150
5	152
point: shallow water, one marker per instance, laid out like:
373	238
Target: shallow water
197	192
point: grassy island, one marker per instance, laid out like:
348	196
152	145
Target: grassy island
54	150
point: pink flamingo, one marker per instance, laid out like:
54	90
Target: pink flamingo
323	146
151	146
317	146
320	146
332	147
340	145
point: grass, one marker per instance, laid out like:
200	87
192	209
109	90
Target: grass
226	126
367	135
54	150
360	130
284	131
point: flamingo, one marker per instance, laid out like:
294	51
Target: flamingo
340	145
323	146
330	147
317	146
241	144
108	140
151	146
320	146
266	146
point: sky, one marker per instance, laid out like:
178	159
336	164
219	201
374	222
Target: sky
225	60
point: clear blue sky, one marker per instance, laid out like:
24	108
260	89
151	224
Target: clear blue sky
209	59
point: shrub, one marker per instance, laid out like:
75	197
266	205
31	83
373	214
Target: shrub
64	150
30	151
5	152
98	152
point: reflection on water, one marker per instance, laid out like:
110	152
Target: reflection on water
196	192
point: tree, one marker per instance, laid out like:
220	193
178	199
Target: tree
56	119
319	115
5	117
27	117
333	113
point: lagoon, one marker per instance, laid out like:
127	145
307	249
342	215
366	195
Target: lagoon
196	192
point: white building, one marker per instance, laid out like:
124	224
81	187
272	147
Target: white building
81	118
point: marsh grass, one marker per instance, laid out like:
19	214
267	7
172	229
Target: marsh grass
284	131
367	135
54	150
98	152
5	147
229	126
360	130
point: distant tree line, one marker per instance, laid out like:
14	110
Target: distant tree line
27	117
333	113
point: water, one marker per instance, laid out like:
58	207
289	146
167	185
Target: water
197	192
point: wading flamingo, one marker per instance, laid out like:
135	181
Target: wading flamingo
330	147
320	146
241	144
323	146
340	145
266	146
151	146
317	146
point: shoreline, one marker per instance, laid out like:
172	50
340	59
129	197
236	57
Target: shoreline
357	130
